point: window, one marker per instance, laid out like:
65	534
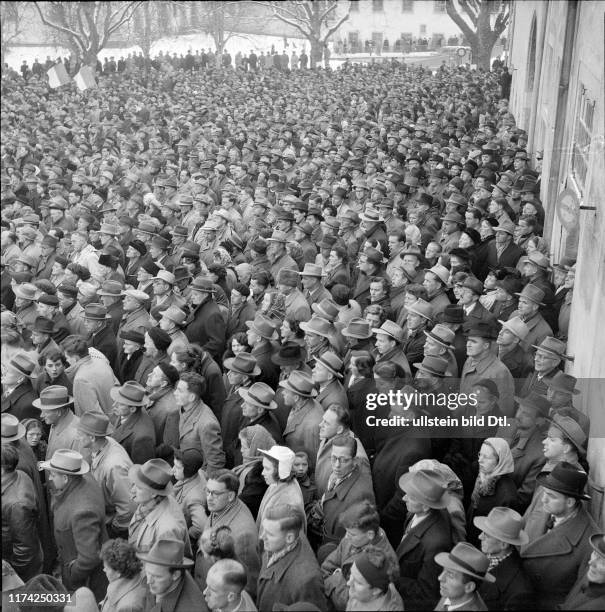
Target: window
439	6
354	6
378	6
407	6
423	29
582	138
531	57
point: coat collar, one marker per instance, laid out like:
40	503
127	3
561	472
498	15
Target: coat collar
562	540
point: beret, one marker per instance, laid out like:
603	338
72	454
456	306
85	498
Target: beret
160	338
68	289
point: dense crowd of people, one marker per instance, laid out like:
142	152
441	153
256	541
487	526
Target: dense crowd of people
209	289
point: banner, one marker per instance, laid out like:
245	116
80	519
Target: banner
57	75
85	79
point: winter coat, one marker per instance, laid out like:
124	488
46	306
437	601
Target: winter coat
294	578
418	581
79	526
137	436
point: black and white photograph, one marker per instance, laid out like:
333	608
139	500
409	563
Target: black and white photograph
302	305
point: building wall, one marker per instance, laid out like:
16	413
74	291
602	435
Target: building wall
563	114
393	18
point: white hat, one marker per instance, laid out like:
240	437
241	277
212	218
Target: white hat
284	457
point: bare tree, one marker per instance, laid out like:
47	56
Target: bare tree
482	22
222	20
86	27
316	20
11	18
147	25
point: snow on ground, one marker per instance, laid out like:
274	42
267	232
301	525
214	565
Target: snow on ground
179	44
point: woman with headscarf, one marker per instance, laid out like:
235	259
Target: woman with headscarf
494	485
252	485
283	488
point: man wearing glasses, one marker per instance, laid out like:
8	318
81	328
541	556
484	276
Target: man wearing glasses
227	509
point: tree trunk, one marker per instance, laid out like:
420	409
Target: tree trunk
315	53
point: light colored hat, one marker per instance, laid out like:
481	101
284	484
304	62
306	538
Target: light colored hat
66	461
167	277
284	457
136	294
174	314
441	272
504	524
516	326
11	428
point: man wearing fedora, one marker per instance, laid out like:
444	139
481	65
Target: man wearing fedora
503	252
483	363
465	569
261	335
278	256
427	531
170	585
531	299
327	376
206	325
102	336
71	308
419	317
501	534
112	296
314	291
21	545
172	321
548	360
164	295
25	303
510	352
134	428
526	446
555	552
91	374
258	408
589	591
55	405
17	391
302	428
157	514
242	370
560	390
198	426
78	512
474	312
436	283
109	467
297	306
565	442
536	268
389	339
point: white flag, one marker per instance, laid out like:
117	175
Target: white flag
57	75
85	79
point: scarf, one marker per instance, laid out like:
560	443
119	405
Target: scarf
485	484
